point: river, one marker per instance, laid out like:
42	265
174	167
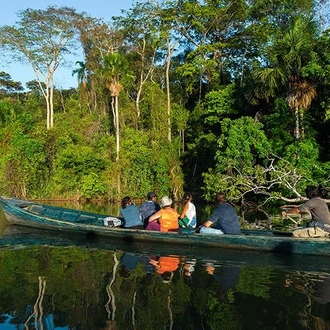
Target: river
55	281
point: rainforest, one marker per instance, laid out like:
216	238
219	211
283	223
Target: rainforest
172	96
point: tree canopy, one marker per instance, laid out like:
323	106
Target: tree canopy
173	95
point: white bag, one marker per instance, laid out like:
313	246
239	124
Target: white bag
112	222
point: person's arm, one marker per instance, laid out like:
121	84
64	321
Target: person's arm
154	217
291	210
141	210
207	223
185	209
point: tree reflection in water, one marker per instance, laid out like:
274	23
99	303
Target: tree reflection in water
37	314
111	296
98	288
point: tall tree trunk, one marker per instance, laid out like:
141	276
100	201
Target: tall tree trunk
48	109
297	128
143	79
116	121
117	128
168	93
302	128
51	105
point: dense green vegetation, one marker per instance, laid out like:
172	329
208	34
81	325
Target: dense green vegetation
172	95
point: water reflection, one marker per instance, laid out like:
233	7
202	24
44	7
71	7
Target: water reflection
51	281
226	277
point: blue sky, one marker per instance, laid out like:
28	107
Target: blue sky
104	9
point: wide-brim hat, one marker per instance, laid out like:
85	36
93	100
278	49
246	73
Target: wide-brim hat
165	201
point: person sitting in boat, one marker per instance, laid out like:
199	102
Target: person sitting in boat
188	214
130	213
165	219
223	220
318	209
149	208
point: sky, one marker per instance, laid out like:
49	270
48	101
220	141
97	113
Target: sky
103	9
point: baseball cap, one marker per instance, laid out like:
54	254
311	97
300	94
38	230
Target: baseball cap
151	195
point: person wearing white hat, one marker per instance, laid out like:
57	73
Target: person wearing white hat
167	217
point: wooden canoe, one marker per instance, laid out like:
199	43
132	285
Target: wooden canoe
19	237
37	215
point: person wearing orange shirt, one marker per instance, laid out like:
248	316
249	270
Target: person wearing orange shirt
167	217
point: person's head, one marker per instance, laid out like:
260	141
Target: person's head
187	197
151	196
165	201
220	198
312	191
126	201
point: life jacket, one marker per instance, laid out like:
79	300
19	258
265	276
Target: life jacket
168	219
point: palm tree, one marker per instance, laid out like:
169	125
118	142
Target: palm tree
81	73
287	57
113	70
300	97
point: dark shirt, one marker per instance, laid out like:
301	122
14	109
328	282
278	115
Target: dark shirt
147	209
225	218
318	208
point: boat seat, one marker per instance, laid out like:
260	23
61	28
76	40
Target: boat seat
88	219
70	216
38	209
53	213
